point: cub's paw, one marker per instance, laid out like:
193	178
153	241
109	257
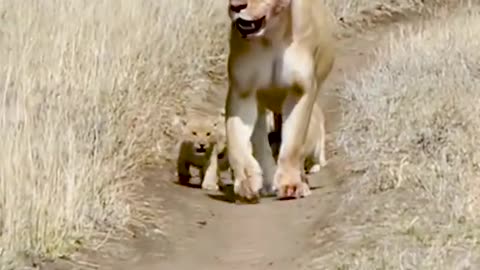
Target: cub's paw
184	179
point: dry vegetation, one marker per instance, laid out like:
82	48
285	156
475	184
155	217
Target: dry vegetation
89	89
88	92
409	129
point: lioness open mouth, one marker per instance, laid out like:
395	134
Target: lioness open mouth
246	28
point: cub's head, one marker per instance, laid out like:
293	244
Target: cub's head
254	18
201	133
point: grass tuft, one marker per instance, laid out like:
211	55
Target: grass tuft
88	92
409	128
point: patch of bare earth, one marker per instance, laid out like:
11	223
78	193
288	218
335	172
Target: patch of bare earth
399	188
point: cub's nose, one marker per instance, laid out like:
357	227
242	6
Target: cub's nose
237	8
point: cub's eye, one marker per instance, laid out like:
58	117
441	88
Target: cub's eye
194	133
208	133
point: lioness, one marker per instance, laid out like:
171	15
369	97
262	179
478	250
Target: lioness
280	53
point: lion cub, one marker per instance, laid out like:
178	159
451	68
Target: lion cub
203	147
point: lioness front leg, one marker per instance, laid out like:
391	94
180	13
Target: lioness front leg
263	152
241	118
289	177
307	70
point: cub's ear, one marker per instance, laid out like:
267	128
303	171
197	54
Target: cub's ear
179	121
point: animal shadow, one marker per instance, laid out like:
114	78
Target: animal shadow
225	194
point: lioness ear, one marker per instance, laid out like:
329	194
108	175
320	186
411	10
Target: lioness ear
280	5
222	112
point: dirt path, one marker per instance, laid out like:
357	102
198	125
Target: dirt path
209	233
216	234
205	232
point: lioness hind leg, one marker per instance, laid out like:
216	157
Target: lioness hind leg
241	118
318	155
275	134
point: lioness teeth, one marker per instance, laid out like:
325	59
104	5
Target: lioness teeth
248	27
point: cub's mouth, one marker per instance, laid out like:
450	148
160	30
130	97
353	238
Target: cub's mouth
246	28
201	150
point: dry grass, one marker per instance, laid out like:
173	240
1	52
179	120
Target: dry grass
88	92
409	130
352	17
349	8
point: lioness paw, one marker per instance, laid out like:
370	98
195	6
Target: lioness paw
246	192
289	184
209	186
323	162
248	185
293	191
314	169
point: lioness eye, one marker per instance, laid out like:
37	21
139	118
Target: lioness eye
194	133
208	133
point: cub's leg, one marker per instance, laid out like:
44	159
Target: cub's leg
241	118
263	152
183	165
210	179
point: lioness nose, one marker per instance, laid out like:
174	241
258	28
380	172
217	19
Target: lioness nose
238	8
